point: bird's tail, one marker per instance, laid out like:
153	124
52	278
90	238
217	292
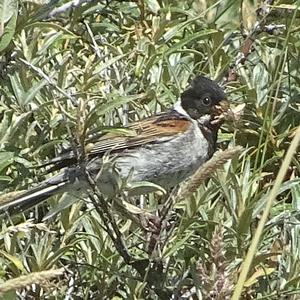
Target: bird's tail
23	201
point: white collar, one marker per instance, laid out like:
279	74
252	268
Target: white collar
178	107
202	120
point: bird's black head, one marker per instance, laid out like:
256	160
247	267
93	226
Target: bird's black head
201	98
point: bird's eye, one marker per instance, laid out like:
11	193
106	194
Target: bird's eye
206	101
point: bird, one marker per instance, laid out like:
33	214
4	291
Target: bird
163	149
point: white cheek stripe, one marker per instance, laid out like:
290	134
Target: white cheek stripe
202	120
177	106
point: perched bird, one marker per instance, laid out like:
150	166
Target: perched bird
165	149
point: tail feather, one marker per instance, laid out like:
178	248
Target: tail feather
36	195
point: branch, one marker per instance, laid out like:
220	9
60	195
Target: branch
49	80
150	272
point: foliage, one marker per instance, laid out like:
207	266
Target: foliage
70	71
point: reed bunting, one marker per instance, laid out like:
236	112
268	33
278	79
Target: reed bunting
163	149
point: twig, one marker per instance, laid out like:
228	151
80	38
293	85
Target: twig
96	47
49	80
260	26
109	222
147	270
73	101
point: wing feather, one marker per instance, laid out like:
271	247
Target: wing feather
155	129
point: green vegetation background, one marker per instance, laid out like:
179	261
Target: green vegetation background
120	61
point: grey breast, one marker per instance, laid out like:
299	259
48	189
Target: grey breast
167	163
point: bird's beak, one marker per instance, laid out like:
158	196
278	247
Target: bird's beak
222	111
222	107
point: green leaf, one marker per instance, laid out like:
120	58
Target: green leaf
108	63
32	92
66	201
4	125
17	262
5	178
7	9
17	86
11	295
15	126
144	185
7	32
48	25
115	102
180	242
189	39
6	158
153	5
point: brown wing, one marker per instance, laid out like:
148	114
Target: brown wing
153	129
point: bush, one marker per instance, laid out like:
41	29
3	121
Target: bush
71	69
